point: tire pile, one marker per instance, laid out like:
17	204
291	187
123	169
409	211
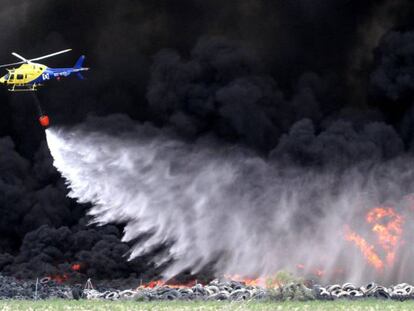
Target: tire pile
215	290
46	288
11	288
237	291
402	291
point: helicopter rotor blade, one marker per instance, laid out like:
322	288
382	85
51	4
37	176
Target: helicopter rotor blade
21	57
28	61
12	64
50	55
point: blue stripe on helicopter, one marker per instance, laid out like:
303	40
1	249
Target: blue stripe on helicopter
50	74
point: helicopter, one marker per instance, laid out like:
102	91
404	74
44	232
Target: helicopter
30	75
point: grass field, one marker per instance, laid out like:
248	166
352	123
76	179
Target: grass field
70	305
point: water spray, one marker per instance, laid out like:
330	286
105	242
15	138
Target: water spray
229	206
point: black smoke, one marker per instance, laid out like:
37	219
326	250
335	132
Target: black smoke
324	84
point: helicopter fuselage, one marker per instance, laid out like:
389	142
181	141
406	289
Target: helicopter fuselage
29	76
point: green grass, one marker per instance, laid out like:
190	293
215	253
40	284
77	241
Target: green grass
83	305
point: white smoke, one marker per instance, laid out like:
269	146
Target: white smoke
222	204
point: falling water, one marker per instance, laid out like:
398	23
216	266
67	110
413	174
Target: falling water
223	204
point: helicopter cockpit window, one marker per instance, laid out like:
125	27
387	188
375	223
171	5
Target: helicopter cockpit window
19	77
12	77
6	77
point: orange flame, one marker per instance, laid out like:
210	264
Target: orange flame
366	249
319	272
76	267
170	283
389	235
265	281
387	225
261	281
59	278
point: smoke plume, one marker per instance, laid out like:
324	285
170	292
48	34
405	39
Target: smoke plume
280	95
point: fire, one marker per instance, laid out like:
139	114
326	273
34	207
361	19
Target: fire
153	284
264	281
76	267
319	272
59	278
62	278
261	281
387	225
389	235
366	249
169	283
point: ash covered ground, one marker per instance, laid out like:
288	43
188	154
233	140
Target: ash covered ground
323	88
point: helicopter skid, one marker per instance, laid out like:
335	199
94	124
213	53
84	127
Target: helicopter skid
24	88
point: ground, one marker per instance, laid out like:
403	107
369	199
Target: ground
82	305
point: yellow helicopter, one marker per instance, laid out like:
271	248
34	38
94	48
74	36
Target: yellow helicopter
31	75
